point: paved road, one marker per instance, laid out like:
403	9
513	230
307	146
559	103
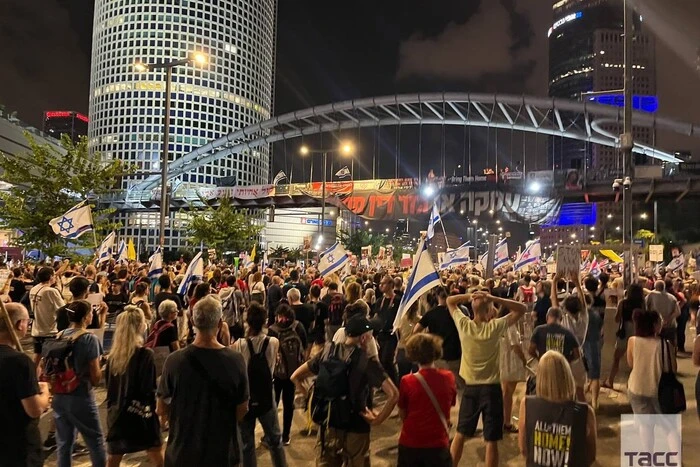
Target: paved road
385	437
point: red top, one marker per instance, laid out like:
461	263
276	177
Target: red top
422	427
318	282
242	285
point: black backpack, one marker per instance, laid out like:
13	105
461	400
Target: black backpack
336	307
340	391
260	381
291	352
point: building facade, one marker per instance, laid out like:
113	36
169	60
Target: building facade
586	55
65	122
231	90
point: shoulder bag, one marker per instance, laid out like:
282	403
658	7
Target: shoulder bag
671	393
432	398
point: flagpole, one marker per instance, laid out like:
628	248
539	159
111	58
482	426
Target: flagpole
442	224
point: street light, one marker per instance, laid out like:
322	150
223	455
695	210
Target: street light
141	67
346	148
644	216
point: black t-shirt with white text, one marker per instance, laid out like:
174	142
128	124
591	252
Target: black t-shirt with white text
20	441
554	337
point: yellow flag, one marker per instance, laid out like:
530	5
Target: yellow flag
614	257
252	253
131	251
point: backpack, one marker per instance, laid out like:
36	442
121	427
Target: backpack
58	361
155	333
335	309
230	307
291	352
336	396
528	294
256	295
260	381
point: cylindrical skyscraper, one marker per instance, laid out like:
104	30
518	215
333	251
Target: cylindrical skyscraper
232	90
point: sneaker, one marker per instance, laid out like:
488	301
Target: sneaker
50	442
79	449
286	441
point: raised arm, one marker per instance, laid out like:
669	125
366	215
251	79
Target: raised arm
553	295
517	309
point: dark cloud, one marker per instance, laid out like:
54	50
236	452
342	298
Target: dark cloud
42	65
502	39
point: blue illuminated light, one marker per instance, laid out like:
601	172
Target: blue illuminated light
648	104
575	214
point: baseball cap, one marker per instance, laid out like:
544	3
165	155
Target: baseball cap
356	326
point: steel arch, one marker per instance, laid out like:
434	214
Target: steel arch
548	116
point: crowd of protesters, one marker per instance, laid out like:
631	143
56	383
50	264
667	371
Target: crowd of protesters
189	376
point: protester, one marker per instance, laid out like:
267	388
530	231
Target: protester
405	330
257	289
644	358
425	399
45	300
164	331
575	319
77	410
318	333
292	348
22	398
553	336
593	343
274	297
554	413
303	312
543	303
512	365
203	389
439	322
480	339
131	392
335	301
344	439
384	315
666	305
294	283
357	309
260	354
139	298
633	300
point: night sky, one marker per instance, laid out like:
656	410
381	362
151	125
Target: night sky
331	51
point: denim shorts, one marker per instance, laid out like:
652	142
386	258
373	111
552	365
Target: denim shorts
591	352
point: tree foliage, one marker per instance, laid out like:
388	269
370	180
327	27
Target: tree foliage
354	242
224	228
45	184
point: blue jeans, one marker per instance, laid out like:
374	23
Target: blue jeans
271	429
78	414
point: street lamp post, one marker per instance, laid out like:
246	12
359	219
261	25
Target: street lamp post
168	66
346	149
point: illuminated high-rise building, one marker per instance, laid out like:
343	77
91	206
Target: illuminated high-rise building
232	90
586	55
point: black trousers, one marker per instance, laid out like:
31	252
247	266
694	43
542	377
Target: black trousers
387	348
286	389
424	457
682	321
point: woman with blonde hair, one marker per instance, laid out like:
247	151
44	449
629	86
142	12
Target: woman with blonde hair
257	289
131	392
353	292
554	413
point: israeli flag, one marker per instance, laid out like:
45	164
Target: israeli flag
483	260
676	263
595	268
122	256
279	177
333	259
455	257
423	278
104	252
155	264
531	255
434	220
194	269
501	256
342	173
75	222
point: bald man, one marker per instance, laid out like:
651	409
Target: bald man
22	398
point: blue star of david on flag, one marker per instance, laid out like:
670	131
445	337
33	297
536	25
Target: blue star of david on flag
74	223
66	224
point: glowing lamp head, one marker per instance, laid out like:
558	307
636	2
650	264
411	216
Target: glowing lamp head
200	58
304	150
140	67
346	149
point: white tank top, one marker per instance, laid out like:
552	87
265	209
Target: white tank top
644	378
